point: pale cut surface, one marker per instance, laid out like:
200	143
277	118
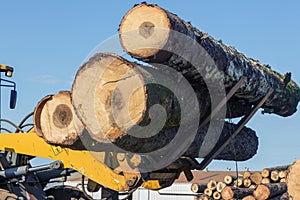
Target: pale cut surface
144	30
55	119
109	96
293	180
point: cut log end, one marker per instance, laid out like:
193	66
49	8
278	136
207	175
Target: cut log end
228	180
208	192
249	197
216	195
227	193
256	178
292	180
144	30
55	120
262	192
265	173
197	188
113	88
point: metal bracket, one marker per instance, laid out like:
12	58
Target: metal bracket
222	144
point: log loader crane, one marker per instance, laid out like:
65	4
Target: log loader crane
18	179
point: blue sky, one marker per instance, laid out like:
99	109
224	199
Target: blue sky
46	42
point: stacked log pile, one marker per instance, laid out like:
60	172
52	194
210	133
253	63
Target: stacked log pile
270	183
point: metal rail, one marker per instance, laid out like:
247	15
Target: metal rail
222	144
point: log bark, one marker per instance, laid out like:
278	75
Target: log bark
55	120
243	147
234	192
245	144
284	196
111	96
138	31
263	192
293	180
198	188
112	111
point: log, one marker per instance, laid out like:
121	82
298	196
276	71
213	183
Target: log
55	120
274	176
212	185
216	195
111	96
107	119
283	180
284	196
293	180
267	171
246	174
234	192
256	178
220	186
159	36
208	192
238	182
228	179
243	147
265	181
282	174
253	186
203	197
247	182
263	192
198	188
249	197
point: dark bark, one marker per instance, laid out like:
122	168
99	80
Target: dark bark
231	63
269	190
243	147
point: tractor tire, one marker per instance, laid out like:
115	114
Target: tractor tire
6	195
65	192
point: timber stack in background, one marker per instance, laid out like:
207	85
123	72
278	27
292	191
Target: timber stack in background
275	183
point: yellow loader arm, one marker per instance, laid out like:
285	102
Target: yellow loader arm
83	161
80	160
